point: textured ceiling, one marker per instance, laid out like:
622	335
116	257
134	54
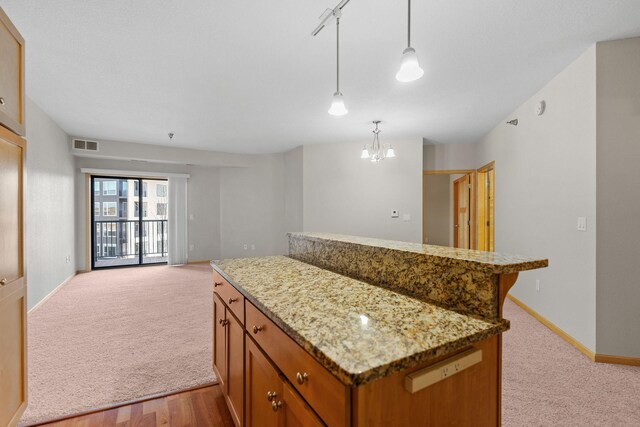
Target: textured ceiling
246	76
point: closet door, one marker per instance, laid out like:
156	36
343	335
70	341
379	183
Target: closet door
13	291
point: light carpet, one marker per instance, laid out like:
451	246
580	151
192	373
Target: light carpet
548	382
115	336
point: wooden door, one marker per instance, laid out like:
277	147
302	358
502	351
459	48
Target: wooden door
295	411
11	76
219	341
263	389
490	210
462	212
235	367
13	290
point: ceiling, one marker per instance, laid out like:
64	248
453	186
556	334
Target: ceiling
246	76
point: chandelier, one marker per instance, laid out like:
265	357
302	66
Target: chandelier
376	151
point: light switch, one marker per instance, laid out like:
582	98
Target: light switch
582	223
406	217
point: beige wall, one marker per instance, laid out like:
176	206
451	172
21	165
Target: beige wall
618	205
437	212
49	206
545	178
349	195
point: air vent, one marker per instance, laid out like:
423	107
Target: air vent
84	145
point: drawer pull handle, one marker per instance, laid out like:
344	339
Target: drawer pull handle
257	329
216	284
223	322
4	279
2	102
276	405
302	378
271	395
232	300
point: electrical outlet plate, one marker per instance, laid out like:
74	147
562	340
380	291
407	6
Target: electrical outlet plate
430	375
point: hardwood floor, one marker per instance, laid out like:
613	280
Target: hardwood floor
201	407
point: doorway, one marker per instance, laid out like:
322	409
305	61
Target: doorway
486	207
462	212
129	221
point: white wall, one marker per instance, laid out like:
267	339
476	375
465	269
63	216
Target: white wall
49	207
545	178
293	200
449	156
618	205
346	194
252	208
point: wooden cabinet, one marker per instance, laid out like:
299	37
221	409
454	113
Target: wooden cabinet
13	290
12	100
228	357
271	401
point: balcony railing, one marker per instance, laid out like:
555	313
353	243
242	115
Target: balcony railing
119	242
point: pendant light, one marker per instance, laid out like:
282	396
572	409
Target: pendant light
375	151
337	103
410	68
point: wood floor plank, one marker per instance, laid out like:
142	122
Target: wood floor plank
202	407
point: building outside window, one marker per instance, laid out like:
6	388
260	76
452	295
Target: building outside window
123	210
124	188
109	188
161	209
144	189
96	188
144	209
161	190
109	209
96	208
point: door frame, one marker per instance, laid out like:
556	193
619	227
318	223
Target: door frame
472	205
483	210
456	205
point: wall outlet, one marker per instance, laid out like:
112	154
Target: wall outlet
246	246
395	213
67	259
191	247
582	223
537	285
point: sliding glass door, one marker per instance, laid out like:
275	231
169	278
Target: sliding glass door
129	221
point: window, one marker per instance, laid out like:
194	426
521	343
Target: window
123	210
124	188
111	229
96	208
144	209
109	188
144	189
98	231
96	188
161	191
136	190
109	209
161	209
136	210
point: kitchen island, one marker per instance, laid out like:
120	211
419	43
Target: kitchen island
321	337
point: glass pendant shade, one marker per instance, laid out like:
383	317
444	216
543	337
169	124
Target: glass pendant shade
337	105
365	153
391	152
410	68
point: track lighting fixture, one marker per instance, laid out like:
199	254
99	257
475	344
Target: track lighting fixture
409	68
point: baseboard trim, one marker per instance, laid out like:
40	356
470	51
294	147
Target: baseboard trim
594	357
204	261
562	334
52	293
618	360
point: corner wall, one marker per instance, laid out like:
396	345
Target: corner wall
49	207
545	178
618	206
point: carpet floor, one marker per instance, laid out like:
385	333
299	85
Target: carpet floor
114	336
547	382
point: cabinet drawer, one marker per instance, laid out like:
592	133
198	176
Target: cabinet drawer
324	392
11	76
230	295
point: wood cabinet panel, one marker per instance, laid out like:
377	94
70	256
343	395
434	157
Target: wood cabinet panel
230	295
13	385
295	411
468	398
219	341
11	177
324	392
261	381
235	368
11	76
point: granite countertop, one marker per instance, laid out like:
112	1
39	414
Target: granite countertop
358	331
497	262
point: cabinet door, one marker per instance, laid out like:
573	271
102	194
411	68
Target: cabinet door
13	308
235	367
11	76
263	388
219	341
295	411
